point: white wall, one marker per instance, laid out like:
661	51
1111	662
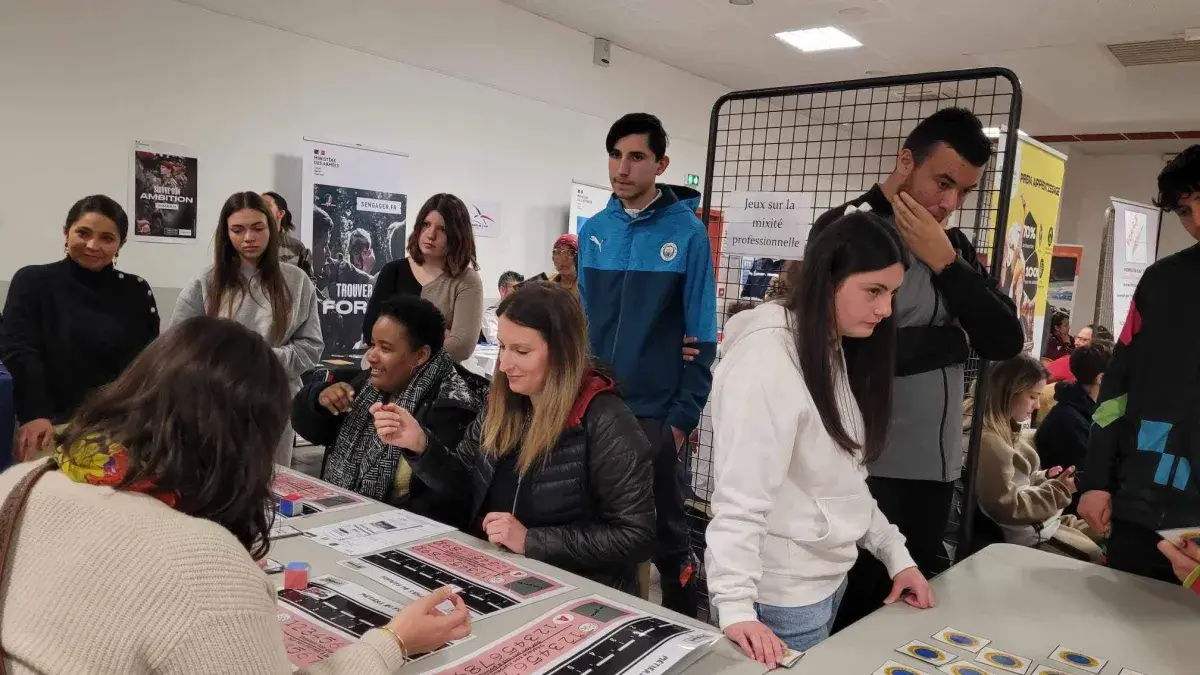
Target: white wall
1089	182
500	105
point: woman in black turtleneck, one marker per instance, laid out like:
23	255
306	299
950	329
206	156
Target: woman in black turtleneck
73	325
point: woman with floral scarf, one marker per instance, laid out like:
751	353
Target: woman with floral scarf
408	367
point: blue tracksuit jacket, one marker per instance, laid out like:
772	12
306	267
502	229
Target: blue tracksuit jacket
646	283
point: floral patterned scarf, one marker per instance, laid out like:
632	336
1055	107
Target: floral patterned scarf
95	460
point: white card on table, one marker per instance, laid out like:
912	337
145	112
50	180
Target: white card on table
1178	533
957	638
1126	671
790	658
1077	659
1004	661
1048	670
893	668
965	668
926	652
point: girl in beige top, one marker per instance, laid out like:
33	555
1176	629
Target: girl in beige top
135	553
441	268
1025	501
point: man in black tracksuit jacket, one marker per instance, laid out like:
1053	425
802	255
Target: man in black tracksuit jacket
1139	476
946	307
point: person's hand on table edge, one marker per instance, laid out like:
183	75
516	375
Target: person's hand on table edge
911	585
423	628
757	641
503	529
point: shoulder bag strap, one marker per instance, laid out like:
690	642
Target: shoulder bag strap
10	513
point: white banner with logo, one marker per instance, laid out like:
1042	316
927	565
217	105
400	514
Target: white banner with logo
1135	247
486	218
586	201
353	218
768	224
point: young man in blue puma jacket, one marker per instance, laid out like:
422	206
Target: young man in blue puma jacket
646	281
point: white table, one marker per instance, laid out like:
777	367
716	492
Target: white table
483	361
1028	602
724	658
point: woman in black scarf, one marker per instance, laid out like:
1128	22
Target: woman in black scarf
408	367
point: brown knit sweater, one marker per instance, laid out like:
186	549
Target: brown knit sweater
117	583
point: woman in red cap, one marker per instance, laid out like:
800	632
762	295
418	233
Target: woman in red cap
566	258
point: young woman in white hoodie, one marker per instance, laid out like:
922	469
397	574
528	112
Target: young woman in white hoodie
801	401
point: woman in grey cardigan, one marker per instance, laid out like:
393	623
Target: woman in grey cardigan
248	283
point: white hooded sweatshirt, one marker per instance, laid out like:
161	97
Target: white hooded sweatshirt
790	506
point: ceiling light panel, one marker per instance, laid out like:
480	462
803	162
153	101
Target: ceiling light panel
818	39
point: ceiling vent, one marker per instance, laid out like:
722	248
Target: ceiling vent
1155	52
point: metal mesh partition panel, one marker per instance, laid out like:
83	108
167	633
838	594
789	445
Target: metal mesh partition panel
830	143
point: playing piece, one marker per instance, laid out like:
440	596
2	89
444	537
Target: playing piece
1077	659
926	652
964	668
957	638
893	668
1047	670
1004	661
1178	533
790	658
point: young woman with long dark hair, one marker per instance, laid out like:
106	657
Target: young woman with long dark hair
557	465
249	284
138	539
801	402
72	326
441	268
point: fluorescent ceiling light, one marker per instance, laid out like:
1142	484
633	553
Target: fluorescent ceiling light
818	39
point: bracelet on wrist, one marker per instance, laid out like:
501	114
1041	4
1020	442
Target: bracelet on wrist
399	642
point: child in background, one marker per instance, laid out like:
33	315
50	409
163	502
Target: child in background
1025	501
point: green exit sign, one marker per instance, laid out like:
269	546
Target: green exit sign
693	179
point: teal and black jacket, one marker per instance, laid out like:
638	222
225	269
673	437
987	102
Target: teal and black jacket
646	283
1145	441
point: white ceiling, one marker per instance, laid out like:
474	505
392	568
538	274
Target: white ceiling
1072	83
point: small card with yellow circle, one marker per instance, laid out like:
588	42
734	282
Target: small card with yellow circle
965	668
927	653
1004	661
1077	659
893	668
1047	670
960	639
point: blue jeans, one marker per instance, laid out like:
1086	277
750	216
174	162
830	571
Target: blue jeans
802	628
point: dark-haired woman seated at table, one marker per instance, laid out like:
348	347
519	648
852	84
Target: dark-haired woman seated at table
72	326
135	550
409	367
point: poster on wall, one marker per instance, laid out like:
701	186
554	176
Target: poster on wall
1135	247
1030	236
586	201
354	223
164	193
1065	266
485	218
772	225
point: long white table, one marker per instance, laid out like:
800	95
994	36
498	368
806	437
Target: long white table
724	657
1028	602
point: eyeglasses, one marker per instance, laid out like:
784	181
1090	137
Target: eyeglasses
563	252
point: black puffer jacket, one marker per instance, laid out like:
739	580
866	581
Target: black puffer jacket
588	507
